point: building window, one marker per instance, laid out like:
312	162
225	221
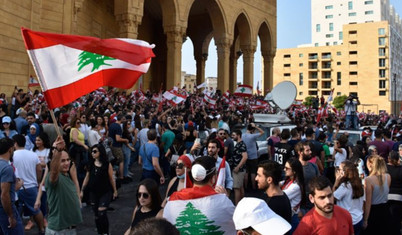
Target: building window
286	65
341	35
382	73
300	93
382	93
329	35
353	73
352	62
381	41
318	28
353	32
287	56
350	5
369	12
326	74
338	63
381	31
368	2
329	7
286	74
300	64
331	26
381	84
352	52
338	53
300	79
338	93
381	63
335	43
352	14
339	78
329	16
300	55
353	42
352	83
381	51
316	44
327	44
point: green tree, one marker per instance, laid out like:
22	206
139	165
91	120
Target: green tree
193	221
308	101
96	60
339	101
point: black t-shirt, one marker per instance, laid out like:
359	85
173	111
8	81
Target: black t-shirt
239	149
283	151
115	129
280	205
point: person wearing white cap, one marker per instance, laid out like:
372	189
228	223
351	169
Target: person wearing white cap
253	216
7	128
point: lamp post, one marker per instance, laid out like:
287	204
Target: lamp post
394	90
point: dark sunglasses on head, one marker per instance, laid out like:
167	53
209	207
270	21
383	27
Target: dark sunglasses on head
143	195
94	151
180	166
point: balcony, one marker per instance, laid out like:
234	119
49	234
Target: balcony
326	79
313	57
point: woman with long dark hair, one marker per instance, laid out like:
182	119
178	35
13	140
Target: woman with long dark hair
100	182
376	186
148	203
395	191
7	128
349	192
293	186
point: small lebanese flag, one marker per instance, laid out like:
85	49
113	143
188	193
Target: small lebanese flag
244	90
331	96
220	180
32	82
70	66
200	210
174	97
208	99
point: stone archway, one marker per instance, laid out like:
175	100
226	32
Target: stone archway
268	54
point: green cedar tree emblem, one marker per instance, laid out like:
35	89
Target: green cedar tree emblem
174	98
87	58
193	221
242	89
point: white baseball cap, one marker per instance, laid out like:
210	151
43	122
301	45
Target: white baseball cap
255	213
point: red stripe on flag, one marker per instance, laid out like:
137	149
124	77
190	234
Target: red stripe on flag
118	49
120	78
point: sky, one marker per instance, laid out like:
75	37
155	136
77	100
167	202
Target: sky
293	29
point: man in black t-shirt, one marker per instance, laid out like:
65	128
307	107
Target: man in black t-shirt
283	150
115	132
237	164
269	174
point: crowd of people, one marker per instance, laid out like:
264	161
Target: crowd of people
314	180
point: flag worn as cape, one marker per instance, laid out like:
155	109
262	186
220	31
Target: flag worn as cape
70	66
200	210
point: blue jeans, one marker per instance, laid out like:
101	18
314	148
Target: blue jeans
17	230
358	227
351	119
127	156
294	222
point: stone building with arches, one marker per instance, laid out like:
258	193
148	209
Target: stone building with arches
234	25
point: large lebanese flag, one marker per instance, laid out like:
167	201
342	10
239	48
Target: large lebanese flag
69	66
200	210
244	90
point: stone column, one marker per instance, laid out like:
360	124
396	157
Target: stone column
234	56
223	48
175	35
268	63
248	64
128	25
200	62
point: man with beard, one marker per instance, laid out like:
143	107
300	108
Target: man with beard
10	220
269	174
325	218
303	151
213	150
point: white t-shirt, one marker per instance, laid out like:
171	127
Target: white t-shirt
343	195
93	138
43	155
26	161
340	157
294	194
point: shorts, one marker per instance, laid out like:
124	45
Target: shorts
17	230
252	166
118	154
238	179
28	197
69	231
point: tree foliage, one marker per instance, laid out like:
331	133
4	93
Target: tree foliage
339	101
308	101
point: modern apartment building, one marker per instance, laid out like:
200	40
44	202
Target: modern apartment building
361	65
356	48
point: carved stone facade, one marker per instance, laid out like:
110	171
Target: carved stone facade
234	26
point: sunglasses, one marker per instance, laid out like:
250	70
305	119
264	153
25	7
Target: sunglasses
94	151
180	166
143	195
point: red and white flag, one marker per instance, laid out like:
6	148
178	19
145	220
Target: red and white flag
173	97
209	99
220	180
70	66
244	90
32	81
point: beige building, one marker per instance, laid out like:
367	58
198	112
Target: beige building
361	65
234	26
